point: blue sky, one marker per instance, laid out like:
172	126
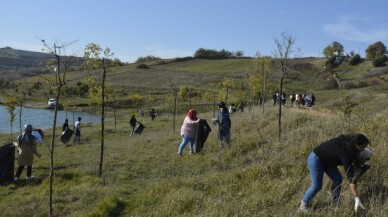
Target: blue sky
177	28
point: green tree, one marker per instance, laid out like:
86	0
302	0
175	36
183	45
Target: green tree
227	84
239	53
380	61
175	92
355	59
98	59
210	95
21	101
375	50
333	47
258	75
184	93
136	99
10	103
282	56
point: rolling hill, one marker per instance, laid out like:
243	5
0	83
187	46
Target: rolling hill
17	64
258	175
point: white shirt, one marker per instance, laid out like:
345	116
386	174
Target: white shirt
77	125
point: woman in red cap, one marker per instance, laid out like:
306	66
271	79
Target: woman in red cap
189	130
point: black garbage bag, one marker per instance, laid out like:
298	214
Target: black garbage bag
66	135
7	161
203	132
139	128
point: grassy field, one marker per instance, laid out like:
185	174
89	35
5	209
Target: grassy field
258	175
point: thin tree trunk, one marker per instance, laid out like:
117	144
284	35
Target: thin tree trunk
280	108
102	119
58	94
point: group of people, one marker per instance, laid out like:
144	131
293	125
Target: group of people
77	129
296	99
27	146
233	109
190	126
304	99
349	151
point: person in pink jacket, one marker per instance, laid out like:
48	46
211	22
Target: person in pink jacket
189	130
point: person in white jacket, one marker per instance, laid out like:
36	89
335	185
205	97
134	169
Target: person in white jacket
189	130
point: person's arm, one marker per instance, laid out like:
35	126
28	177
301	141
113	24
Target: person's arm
353	186
353	189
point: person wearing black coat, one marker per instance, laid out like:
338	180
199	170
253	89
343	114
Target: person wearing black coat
343	151
132	122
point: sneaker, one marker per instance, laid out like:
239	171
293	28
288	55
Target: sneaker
30	178
302	208
16	179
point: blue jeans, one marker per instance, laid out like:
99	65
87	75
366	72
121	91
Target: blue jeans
316	172
186	140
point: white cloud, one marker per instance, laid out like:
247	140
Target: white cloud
359	30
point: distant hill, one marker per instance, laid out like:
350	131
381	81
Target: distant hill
16	64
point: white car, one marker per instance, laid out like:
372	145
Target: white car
51	102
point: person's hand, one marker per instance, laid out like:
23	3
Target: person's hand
357	204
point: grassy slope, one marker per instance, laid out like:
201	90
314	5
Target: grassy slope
256	176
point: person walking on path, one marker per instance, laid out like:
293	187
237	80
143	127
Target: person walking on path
224	125
26	150
77	129
132	122
189	130
343	150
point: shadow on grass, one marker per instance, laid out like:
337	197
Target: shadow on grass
24	182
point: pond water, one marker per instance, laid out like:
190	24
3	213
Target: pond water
41	118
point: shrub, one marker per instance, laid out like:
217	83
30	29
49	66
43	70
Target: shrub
142	66
329	64
329	84
380	61
354	60
181	59
37	85
147	58
202	53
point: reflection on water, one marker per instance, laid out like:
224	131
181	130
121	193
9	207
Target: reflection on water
41	118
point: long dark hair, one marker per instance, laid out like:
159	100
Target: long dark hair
350	141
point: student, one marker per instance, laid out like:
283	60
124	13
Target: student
26	150
132	122
65	125
77	129
224	125
343	150
152	114
189	131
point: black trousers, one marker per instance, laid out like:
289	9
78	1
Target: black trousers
20	169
